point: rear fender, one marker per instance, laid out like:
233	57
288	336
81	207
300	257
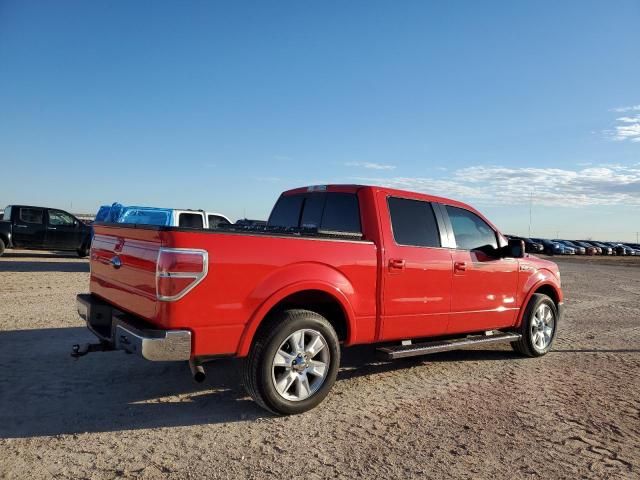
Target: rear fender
286	282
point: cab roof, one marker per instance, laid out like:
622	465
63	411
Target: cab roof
349	188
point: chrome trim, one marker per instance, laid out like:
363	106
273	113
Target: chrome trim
174	345
197	276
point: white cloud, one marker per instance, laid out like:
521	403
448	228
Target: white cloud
630	108
370	165
627	127
493	185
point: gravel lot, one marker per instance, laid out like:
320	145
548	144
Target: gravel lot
470	414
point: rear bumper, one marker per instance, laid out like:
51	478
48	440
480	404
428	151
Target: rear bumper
125	332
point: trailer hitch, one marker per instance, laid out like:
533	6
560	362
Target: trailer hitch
81	350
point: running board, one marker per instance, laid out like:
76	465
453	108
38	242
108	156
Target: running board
403	351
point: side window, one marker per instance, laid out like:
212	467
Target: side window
341	213
190	220
470	230
56	217
413	223
215	220
286	212
31	215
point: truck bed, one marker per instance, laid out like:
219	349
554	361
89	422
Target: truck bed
247	268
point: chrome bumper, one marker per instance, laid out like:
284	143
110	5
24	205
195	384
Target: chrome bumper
123	332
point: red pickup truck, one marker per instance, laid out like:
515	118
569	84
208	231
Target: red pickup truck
337	264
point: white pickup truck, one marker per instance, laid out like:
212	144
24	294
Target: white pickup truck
169	217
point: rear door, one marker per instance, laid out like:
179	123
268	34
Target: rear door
63	231
416	270
29	227
484	286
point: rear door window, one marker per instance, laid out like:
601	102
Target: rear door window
471	231
191	220
31	215
413	223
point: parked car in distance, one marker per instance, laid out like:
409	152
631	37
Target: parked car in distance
619	248
579	250
337	264
630	250
551	248
42	228
605	249
247	222
589	249
531	246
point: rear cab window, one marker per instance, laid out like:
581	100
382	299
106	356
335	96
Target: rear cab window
328	212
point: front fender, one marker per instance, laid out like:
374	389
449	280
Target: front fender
542	278
297	278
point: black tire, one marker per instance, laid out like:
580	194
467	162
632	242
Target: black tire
2	246
527	345
259	372
83	251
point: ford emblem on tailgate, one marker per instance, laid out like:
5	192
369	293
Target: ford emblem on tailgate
116	262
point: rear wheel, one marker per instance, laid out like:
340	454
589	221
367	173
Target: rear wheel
538	327
293	362
83	251
2	246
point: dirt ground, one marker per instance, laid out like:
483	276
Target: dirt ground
482	413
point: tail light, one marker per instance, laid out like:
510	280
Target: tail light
178	271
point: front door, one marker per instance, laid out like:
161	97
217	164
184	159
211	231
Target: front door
28	228
63	231
484	285
416	271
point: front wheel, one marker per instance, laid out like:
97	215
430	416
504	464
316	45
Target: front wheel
2	247
538	327
293	362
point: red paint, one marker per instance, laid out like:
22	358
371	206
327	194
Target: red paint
385	291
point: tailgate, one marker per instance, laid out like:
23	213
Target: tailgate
123	268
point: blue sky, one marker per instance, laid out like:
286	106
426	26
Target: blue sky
221	105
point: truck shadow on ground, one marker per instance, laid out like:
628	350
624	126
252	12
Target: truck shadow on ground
39	254
44	391
29	266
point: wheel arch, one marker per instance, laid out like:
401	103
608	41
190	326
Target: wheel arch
546	287
320	297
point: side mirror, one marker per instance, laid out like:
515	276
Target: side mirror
515	248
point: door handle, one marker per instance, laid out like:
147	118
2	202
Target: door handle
20	226
51	228
396	264
460	266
